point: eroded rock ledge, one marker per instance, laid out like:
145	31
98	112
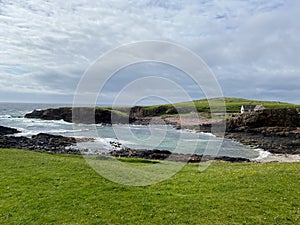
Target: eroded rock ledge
167	155
39	142
8	130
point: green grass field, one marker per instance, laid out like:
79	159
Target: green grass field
41	188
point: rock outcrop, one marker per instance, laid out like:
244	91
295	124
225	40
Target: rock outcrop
8	130
86	115
41	142
141	111
274	130
91	115
167	155
52	114
286	118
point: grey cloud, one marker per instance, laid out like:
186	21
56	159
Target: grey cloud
47	45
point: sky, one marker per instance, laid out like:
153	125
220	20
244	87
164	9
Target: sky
251	46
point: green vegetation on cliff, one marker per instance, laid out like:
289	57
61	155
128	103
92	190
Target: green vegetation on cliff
233	105
120	114
41	188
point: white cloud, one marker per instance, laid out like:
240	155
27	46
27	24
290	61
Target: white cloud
46	45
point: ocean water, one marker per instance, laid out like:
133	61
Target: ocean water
163	137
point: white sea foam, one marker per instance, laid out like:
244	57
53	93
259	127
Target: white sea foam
26	133
262	154
194	140
207	134
7	116
100	145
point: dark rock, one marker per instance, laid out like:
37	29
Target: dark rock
265	118
53	140
8	130
232	159
167	155
140	111
85	115
141	153
52	114
41	142
14	142
274	130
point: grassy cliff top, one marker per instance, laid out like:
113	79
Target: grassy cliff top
233	105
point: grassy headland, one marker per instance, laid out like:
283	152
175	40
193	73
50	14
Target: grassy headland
121	114
41	188
233	105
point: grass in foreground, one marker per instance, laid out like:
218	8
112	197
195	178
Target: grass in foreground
40	188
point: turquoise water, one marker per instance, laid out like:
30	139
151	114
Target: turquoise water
142	137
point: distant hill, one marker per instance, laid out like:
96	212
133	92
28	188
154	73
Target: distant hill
233	105
122	114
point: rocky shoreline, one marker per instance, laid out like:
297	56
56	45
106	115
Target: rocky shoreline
40	142
7	131
274	130
66	145
277	131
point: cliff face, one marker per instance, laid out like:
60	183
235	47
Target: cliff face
90	115
52	114
274	130
81	115
288	118
140	111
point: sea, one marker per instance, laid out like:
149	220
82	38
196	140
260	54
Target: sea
100	139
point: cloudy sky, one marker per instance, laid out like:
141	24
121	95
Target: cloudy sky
252	46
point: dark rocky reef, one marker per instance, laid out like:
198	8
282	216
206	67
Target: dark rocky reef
274	130
8	130
40	142
167	155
